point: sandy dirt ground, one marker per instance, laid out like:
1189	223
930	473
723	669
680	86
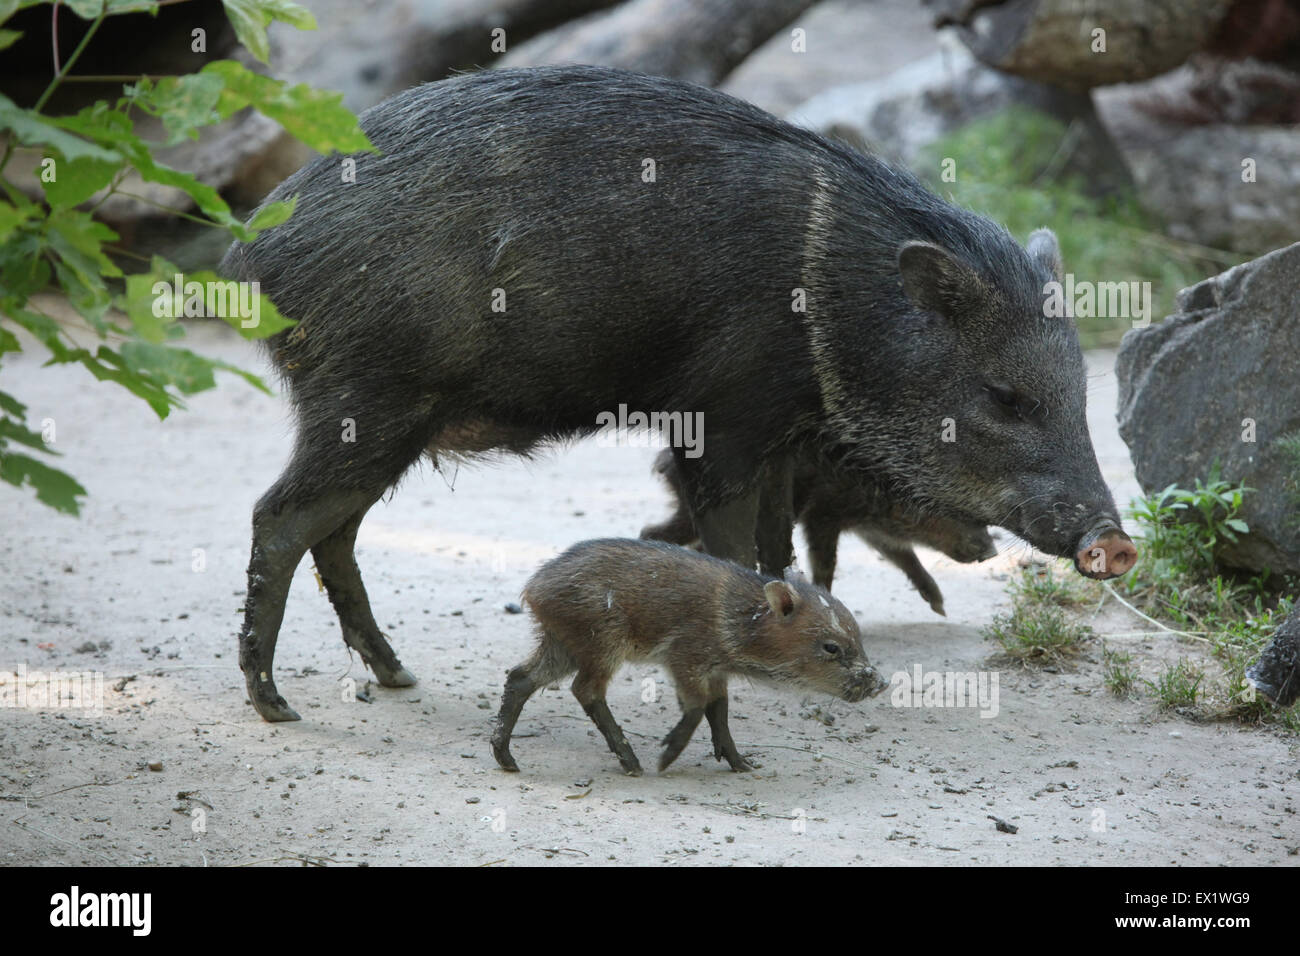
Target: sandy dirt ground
146	587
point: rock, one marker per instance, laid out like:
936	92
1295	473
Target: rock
899	114
1054	41
1186	142
1196	388
846	41
1276	675
1193	182
696	40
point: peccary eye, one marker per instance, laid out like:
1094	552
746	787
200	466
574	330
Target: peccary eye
832	649
1007	398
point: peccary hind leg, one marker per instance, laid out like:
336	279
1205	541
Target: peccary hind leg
589	688
680	736
338	569
285	525
547	665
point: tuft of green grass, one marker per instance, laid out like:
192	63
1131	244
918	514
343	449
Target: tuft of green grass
1038	629
1120	676
1014	167
1037	633
1044	584
1178	686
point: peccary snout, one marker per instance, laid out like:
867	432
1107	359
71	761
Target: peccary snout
971	545
867	682
1105	552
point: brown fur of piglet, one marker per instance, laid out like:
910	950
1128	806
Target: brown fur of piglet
608	601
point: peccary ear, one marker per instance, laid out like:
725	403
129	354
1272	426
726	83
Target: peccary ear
782	597
1046	252
936	280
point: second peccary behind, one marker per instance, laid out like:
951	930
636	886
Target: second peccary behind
828	503
1276	674
604	602
530	249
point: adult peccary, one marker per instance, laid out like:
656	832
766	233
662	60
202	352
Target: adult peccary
827	503
534	247
1276	674
601	603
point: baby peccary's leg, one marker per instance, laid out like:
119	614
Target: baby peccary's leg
723	746
589	687
548	664
680	735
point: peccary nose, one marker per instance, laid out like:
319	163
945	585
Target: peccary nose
1105	554
866	683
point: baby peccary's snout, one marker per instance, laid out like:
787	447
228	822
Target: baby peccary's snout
1105	552
865	683
703	619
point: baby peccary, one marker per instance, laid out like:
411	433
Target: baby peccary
704	619
827	503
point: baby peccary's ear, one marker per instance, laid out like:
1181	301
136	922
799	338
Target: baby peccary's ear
1046	252
782	597
937	281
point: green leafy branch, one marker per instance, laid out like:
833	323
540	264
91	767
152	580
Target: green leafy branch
52	240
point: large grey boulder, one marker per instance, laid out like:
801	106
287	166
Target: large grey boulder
1220	380
1215	151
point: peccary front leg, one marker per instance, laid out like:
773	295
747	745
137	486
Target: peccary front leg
284	527
336	562
727	531
724	748
823	537
904	558
774	523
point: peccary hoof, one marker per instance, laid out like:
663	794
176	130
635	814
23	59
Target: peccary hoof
398	678
266	700
503	757
1276	675
274	708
